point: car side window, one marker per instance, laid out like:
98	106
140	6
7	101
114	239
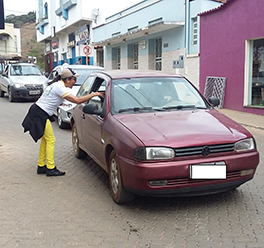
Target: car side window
53	74
97	100
86	86
6	69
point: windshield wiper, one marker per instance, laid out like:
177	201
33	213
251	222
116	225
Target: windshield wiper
135	109
178	107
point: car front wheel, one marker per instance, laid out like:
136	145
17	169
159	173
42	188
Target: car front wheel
78	152
2	93
118	193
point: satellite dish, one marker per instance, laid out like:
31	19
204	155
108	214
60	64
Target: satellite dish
96	12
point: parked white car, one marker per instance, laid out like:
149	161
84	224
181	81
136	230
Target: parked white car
64	111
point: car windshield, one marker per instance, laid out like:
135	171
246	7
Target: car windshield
25	70
154	94
84	72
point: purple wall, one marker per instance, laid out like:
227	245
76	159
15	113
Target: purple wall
222	46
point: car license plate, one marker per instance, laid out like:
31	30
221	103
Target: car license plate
34	92
208	171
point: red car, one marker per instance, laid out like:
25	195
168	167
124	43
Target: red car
156	135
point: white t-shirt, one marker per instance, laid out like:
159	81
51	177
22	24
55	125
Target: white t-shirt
52	97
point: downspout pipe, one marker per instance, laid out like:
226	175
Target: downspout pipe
187	18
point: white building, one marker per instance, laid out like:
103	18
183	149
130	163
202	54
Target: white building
65	27
10	41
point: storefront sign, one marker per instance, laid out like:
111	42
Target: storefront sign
71	43
83	34
55	44
47	47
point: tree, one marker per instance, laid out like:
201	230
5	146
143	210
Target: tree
20	20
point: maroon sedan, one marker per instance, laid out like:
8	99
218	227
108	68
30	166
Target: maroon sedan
156	135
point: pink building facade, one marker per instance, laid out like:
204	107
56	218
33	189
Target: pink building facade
232	46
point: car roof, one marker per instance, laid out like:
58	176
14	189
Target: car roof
115	74
79	66
13	64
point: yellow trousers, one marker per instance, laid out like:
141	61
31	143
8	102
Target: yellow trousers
47	145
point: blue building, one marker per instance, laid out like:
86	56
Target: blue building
154	34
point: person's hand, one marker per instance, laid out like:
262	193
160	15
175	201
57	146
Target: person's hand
100	94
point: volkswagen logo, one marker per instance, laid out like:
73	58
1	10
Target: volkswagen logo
206	151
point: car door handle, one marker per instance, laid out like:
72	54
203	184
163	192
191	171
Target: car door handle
83	116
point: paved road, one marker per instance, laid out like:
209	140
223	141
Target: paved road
77	211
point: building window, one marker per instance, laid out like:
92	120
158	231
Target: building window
135	56
158	54
64	58
194	31
116	34
132	29
15	41
100	57
152	22
71	37
256	73
46	10
118	58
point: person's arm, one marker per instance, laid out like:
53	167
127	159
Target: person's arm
82	99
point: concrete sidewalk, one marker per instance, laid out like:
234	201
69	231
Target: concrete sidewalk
245	119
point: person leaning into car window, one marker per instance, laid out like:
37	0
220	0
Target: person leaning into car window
39	117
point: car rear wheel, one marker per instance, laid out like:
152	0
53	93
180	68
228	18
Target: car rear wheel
118	193
61	123
10	96
78	152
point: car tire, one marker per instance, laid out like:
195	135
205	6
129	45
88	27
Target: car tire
117	191
61	123
2	93
78	152
10	96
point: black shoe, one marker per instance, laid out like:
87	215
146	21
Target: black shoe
42	169
54	172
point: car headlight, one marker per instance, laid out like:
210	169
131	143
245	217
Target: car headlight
245	145
154	153
18	85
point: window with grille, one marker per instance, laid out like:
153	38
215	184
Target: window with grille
195	31
118	59
135	56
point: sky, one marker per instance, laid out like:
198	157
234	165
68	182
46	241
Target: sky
20	7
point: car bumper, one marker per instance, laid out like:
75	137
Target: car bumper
137	176
25	93
65	114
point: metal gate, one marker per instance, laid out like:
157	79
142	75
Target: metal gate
158	54
215	86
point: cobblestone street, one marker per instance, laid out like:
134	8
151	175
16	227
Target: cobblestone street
76	210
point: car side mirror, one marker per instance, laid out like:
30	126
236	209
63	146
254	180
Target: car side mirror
46	74
4	74
92	109
214	101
